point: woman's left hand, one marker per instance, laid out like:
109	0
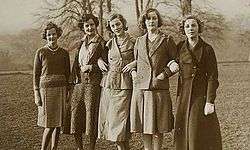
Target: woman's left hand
208	109
127	68
161	76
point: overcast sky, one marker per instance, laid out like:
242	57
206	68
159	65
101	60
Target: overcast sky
16	15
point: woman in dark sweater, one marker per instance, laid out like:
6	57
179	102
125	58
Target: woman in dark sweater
51	74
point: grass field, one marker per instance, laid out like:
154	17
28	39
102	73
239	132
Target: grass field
18	129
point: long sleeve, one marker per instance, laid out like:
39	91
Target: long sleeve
75	74
212	75
172	52
67	67
37	69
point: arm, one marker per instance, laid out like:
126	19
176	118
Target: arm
75	74
67	67
134	63
172	67
36	78
212	75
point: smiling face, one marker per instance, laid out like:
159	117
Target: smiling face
52	37
89	27
152	21
191	28
116	27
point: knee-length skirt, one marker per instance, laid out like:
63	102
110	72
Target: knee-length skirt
151	111
50	114
113	123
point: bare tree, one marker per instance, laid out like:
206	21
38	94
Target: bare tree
185	7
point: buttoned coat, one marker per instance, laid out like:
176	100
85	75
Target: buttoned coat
197	84
152	62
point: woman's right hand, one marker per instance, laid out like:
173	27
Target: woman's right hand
102	65
133	74
38	100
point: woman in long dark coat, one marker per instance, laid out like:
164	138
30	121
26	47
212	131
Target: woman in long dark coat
87	77
196	125
51	74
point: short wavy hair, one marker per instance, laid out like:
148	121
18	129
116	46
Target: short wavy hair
117	16
49	26
199	22
84	18
144	16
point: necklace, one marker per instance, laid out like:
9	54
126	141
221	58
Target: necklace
53	50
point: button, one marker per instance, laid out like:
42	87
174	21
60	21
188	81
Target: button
120	59
194	67
193	75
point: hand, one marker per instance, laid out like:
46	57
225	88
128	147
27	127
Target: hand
133	74
208	109
128	67
161	76
102	65
38	100
86	68
174	67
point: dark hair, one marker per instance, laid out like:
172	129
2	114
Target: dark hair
144	16
120	17
199	22
85	18
49	26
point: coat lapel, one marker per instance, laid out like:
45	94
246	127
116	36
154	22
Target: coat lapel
143	45
197	50
156	44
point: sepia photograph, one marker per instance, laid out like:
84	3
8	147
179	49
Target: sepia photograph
125	74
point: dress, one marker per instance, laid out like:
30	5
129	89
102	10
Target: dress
51	74
197	84
86	92
116	95
151	105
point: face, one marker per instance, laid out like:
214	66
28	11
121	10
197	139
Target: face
51	36
191	28
117	27
152	21
89	27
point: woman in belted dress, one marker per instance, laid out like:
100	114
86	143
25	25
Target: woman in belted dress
151	105
86	76
196	125
50	77
117	91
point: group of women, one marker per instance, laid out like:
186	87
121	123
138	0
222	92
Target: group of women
122	86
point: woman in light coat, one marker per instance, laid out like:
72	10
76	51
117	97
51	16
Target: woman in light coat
151	106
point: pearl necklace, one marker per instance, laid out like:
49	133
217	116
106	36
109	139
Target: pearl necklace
53	50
